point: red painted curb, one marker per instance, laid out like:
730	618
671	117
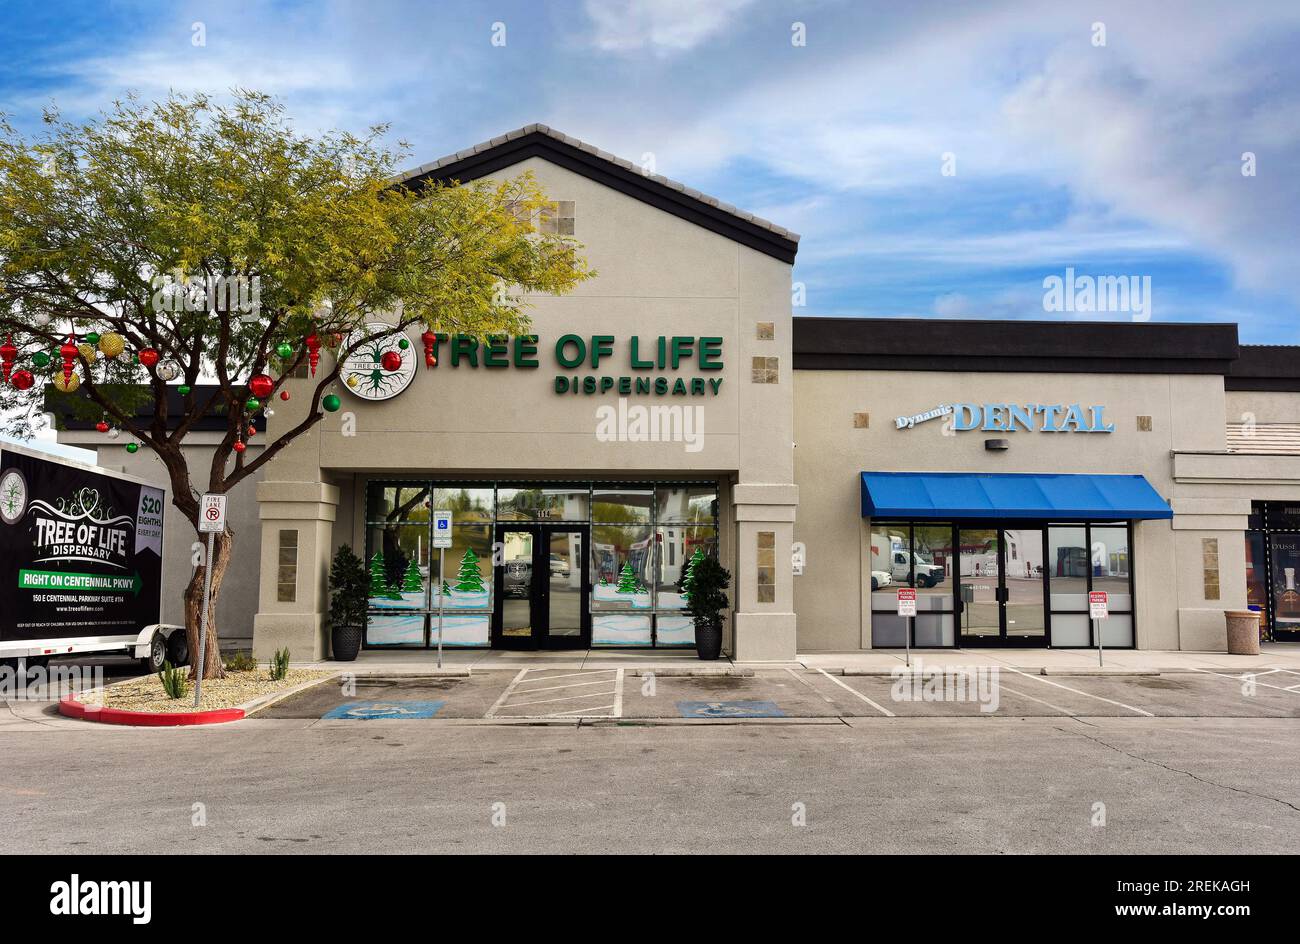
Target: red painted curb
71	708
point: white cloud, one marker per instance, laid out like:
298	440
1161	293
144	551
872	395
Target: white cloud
663	26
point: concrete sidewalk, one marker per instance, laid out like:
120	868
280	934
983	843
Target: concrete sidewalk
1050	661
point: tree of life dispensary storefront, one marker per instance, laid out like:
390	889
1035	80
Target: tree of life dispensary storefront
536	565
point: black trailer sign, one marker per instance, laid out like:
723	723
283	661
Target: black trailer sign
80	552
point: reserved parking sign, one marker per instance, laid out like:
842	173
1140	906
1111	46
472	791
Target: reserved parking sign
906	601
1098	603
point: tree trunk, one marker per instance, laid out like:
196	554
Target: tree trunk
212	666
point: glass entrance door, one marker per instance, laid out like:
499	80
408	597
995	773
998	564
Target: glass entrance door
1022	580
1003	602
542	588
979	555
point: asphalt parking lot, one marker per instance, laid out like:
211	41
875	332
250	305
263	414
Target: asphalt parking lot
793	694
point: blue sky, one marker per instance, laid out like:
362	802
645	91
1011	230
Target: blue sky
1115	159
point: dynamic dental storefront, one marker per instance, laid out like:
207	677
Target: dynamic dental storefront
672	408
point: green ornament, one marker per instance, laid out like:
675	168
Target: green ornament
92	338
252	403
41	359
331	403
404	344
183	390
133	448
284	350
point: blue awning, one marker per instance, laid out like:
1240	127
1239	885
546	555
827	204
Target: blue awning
940	496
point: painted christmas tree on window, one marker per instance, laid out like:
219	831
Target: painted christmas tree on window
379	580
412	582
627	580
689	576
470	581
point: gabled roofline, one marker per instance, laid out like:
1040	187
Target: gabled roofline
616	173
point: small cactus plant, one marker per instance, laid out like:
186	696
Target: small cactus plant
279	665
173	680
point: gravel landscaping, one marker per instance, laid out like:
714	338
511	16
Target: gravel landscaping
146	694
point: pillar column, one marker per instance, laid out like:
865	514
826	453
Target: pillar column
293	590
763	621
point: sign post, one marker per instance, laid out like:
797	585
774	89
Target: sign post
212	521
907	608
1098	610
442	541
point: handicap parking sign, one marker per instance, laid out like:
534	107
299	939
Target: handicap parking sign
729	709
384	710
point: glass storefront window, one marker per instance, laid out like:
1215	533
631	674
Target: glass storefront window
890	549
1257	576
1110	564
687	504
622	505
542	503
467	579
622	566
1067	569
396	502
932	563
398	565
465	504
679	548
1286	581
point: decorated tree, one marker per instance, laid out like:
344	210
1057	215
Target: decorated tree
627	582
170	262
378	577
470	580
412	581
689	574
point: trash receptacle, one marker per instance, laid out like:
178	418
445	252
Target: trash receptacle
1243	632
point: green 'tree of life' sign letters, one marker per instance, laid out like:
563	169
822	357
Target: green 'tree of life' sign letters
572	352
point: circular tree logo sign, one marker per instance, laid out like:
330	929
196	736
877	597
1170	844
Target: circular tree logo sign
13	496
380	368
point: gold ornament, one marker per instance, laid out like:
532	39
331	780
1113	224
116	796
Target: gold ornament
112	344
87	351
66	386
352	381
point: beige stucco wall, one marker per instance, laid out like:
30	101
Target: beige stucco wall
1263	406
657	275
832	595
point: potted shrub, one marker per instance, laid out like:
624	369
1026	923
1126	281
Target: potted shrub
349	593
706	601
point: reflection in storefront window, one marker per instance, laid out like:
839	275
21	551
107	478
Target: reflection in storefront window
1257	576
542	503
680	549
622	566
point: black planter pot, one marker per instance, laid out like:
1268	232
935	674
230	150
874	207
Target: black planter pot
708	639
346	642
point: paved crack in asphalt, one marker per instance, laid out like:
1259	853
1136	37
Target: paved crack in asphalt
1179	770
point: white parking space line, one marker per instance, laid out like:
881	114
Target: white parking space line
509	704
853	691
1008	688
491	712
1242	678
1109	701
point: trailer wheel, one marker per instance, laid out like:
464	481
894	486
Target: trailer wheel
153	662
178	647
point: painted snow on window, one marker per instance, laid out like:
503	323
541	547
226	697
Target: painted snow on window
620	629
459	630
395	629
674	631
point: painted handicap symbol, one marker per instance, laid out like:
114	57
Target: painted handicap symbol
384	710
729	709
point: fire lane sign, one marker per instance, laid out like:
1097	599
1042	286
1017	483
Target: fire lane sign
1098	604
212	513
906	601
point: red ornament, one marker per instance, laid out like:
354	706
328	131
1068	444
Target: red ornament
252	431
391	361
261	386
313	351
101	427
22	380
69	354
148	357
239	445
429	339
8	354
284	394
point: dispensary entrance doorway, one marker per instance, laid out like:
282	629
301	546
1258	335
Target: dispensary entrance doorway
543	587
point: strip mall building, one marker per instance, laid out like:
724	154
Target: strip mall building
672	407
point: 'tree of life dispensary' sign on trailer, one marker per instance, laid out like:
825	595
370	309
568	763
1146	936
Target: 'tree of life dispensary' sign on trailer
80	552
